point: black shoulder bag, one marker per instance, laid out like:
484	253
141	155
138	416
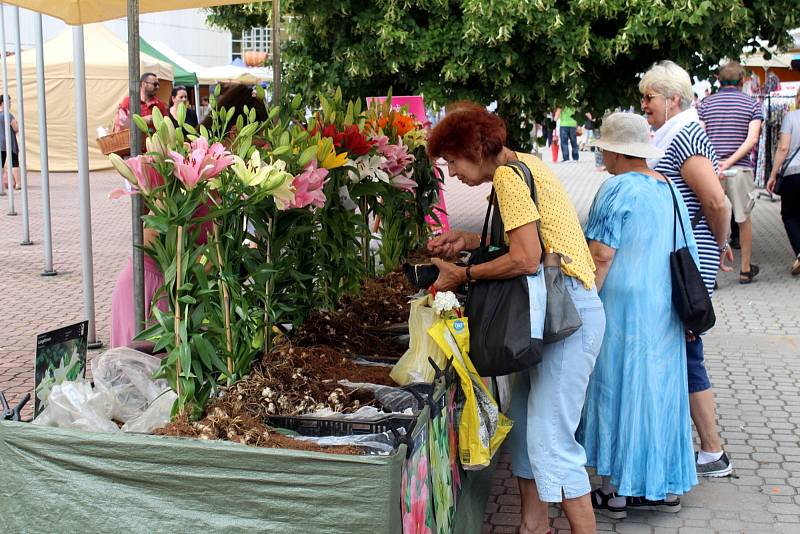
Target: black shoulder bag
689	293
499	317
780	180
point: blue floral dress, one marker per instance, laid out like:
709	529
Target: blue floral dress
635	425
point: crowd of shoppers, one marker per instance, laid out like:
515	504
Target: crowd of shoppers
621	394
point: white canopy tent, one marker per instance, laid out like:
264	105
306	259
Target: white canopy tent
106	85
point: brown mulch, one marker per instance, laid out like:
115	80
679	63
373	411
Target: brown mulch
301	375
358	325
288	381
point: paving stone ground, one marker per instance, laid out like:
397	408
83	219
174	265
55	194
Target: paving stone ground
32	304
753	353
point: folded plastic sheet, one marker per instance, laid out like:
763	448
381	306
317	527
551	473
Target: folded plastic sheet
57	480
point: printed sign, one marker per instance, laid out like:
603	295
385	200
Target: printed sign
60	355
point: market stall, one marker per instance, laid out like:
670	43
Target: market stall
281	243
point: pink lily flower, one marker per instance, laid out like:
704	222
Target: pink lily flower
202	162
308	186
397	163
404	184
140	174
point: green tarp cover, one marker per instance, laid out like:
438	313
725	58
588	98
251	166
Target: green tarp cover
56	480
180	75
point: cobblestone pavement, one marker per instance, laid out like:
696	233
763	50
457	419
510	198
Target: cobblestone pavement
32	304
753	357
753	352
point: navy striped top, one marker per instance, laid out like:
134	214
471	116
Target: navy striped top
727	117
690	141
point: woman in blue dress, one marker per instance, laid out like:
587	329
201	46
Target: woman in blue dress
635	426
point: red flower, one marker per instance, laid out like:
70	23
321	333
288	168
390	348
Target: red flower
355	142
330	131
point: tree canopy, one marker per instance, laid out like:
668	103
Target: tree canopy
528	55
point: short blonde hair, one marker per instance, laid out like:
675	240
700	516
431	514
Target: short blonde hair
669	79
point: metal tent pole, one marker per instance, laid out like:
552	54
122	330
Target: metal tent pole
45	172
276	52
6	115
82	138
137	234
197	101
2	21
23	168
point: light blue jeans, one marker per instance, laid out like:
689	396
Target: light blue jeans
546	404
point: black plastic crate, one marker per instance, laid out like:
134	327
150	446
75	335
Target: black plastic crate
307	425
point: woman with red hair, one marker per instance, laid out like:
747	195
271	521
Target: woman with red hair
546	400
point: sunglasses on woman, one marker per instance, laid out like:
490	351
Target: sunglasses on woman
647	97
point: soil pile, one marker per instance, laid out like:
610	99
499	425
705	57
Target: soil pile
361	325
288	381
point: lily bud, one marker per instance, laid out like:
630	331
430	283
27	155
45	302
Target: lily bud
122	168
154	144
171	131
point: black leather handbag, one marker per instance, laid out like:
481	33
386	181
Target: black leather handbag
689	293
499	315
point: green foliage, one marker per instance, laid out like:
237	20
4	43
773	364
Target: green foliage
240	17
253	243
528	56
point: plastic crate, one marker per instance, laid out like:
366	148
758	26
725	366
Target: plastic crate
307	425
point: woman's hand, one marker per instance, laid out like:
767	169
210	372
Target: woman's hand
727	255
450	275
451	243
773	180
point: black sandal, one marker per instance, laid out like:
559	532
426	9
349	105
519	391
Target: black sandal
600	502
747	277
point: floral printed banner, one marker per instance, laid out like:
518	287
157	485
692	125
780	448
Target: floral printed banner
417	509
444	470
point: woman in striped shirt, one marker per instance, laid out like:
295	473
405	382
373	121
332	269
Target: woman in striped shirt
690	162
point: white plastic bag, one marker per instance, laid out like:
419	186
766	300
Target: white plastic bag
414	366
127	375
155	416
76	405
124	391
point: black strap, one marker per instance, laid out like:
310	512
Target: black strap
486	220
675	218
524	172
787	161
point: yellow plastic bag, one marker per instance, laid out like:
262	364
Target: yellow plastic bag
481	427
414	365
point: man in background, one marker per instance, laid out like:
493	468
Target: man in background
568	132
732	121
148	87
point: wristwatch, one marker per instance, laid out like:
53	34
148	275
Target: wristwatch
724	247
469	275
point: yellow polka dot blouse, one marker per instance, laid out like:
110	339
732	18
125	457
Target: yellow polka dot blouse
561	230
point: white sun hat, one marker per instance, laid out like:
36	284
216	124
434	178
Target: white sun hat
629	134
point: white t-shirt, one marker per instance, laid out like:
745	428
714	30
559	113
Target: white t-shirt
791	126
